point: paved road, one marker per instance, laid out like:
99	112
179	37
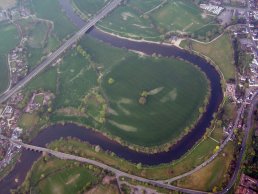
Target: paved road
117	172
162	183
54	56
239	113
243	146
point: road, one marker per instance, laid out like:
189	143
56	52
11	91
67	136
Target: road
239	113
117	172
243	145
54	56
159	183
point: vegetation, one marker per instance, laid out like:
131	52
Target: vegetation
155	20
250	165
8	40
243	59
40	39
220	51
50	10
170	105
50	176
213	176
195	157
94	86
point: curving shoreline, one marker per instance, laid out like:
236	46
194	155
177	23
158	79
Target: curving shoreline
55	132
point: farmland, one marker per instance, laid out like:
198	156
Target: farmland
50	175
8	40
166	113
171	108
154	19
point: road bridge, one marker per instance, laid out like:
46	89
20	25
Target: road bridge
66	45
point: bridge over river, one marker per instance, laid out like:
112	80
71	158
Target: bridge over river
66	45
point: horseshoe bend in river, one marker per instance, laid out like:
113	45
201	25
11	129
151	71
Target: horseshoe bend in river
55	132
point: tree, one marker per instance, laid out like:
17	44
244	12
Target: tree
111	81
139	166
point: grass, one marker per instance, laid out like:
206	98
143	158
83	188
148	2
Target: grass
107	189
153	19
8	40
40	39
165	171
50	10
212	175
59	176
47	81
76	78
39	99
28	121
220	51
166	114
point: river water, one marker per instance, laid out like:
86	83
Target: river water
55	132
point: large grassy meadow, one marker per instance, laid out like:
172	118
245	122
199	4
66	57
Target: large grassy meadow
220	51
154	18
180	92
81	83
9	38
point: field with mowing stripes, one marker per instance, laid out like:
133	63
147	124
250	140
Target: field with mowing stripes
176	91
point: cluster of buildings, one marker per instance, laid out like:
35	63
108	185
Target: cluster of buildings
17	63
212	8
38	100
9	127
247	185
14	14
9	117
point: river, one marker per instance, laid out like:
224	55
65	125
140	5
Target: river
55	132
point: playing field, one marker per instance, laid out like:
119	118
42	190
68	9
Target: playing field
220	51
8	40
176	91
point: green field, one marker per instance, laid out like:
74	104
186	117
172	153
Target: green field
153	19
50	10
52	176
213	175
8	40
80	84
166	113
220	51
190	160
